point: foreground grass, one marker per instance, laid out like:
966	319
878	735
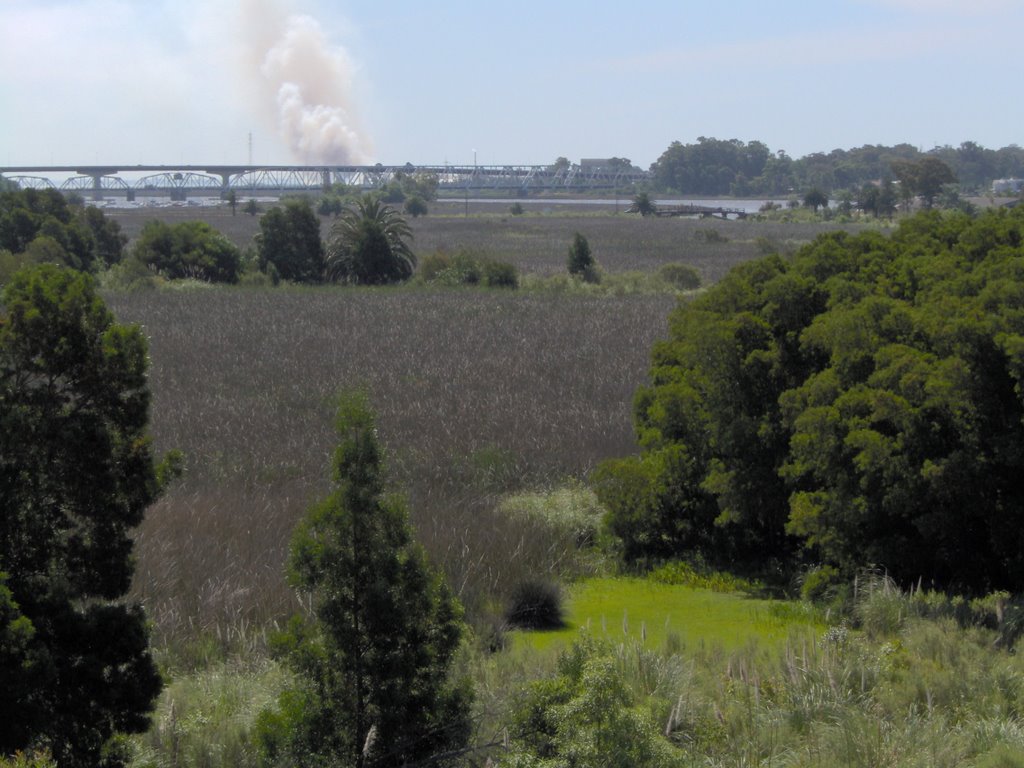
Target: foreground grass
678	618
904	692
751	685
206	716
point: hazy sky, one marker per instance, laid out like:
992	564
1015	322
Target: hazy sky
187	81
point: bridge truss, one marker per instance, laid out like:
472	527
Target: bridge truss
180	182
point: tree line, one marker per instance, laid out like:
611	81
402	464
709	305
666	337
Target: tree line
368	243
713	166
861	403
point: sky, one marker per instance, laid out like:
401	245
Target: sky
498	83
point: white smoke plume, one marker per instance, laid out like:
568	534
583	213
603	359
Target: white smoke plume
305	83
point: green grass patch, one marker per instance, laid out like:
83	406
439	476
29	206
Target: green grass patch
669	616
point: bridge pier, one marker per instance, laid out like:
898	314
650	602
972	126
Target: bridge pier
97	186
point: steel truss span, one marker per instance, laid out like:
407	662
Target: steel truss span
220	179
90	184
31	182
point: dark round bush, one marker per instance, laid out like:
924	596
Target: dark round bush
680	276
500	274
535	604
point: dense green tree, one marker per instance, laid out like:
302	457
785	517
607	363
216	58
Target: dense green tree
561	165
620	163
368	245
110	241
777	177
924	178
252	207
421	185
376	687
232	200
330	205
289	241
975	167
76	474
879	201
76	236
715	167
859	404
709	167
188	249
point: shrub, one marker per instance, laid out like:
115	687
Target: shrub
330	205
207	718
22	760
587	715
189	249
416	206
710	235
535	604
1002	756
680	276
130	275
433	265
819	582
701	577
881	607
581	261
571	511
467	268
516	209
767	245
500	274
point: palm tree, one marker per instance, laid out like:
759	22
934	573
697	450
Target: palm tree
643	205
368	245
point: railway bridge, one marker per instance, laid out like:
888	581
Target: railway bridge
180	182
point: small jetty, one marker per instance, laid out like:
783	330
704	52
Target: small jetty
704	211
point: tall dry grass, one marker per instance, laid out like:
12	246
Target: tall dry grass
538	241
479	393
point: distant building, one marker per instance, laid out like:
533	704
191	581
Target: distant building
1007	186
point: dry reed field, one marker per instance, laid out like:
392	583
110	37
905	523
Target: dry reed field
479	393
538	241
